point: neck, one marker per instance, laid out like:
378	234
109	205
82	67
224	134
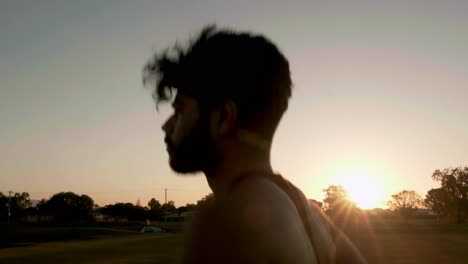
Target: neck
234	165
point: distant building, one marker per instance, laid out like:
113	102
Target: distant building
37	219
34	203
424	212
99	217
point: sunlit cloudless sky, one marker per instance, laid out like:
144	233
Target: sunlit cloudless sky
380	94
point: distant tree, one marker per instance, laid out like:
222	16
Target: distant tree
181	210
405	203
155	212
190	207
15	203
205	201
454	183
41	205
344	213
438	200
169	207
154	204
336	199
3	207
68	207
22	200
127	211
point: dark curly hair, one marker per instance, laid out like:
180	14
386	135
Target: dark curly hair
222	64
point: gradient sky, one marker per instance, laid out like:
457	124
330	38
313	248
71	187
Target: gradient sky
381	90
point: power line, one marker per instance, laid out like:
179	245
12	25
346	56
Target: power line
125	191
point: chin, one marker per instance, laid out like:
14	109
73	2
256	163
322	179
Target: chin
184	167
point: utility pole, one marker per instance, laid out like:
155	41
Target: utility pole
9	204
165	202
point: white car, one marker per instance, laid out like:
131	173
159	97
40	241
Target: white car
151	229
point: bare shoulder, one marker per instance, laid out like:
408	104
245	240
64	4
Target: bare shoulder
261	206
259	210
262	199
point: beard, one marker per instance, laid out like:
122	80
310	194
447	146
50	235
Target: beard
194	153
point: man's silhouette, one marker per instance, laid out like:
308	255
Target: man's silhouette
232	89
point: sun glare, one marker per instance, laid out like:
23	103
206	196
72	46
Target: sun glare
362	188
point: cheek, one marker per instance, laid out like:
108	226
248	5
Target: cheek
182	128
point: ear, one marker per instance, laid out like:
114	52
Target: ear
225	118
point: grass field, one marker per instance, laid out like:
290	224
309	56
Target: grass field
415	242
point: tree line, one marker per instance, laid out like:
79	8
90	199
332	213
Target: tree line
72	208
450	200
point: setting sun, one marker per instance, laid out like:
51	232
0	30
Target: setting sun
362	188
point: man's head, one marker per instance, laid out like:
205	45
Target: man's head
232	88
